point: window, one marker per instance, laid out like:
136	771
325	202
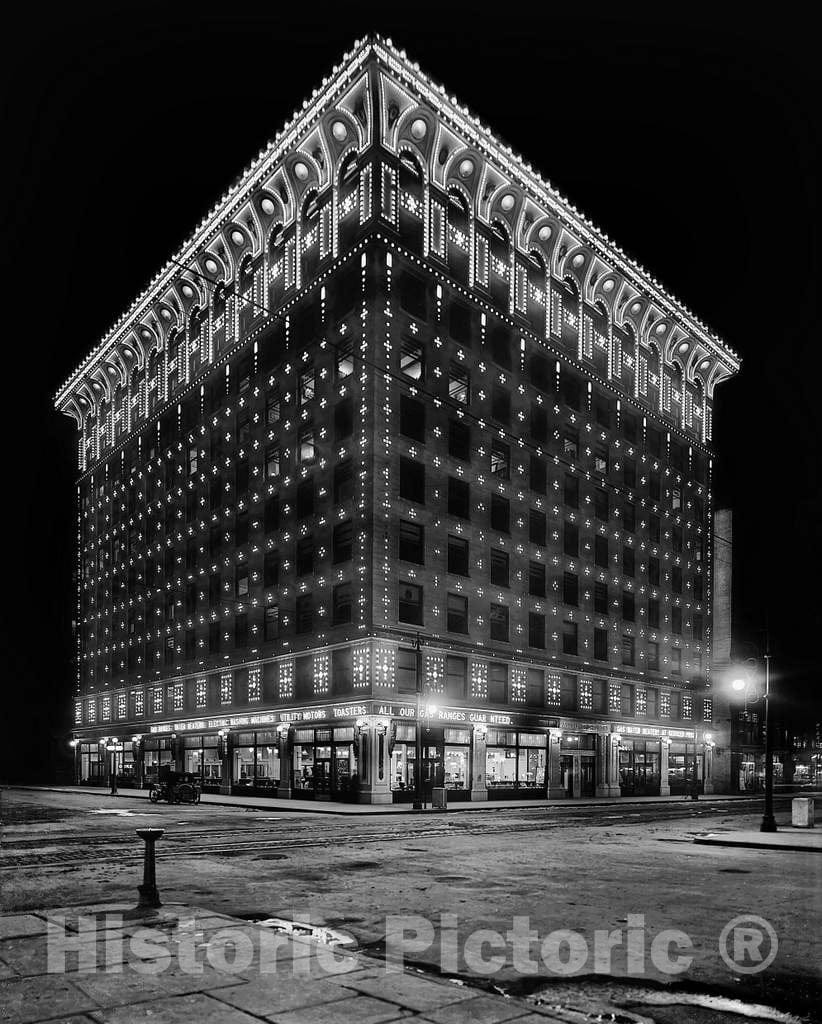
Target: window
628	650
226	687
569	390
271	514
540	372
241	630
698	588
271	622
539	475
676	579
536	579
628	561
569	637
629	426
676	498
305	613
406	670
271	569
602	412
536	630
458	498
676	538
342	677
412	295
341	603
457	556
501	404
653	571
570	445
243	428
412	360
570	539
410	603
459	323
628	606
459	440
241	529
305	556
654	441
571	491
601	459
653	656
305	499
654	527
411	545
697	627
601	505
653	613
498	683
629	473
601	551
192	459
499	622
500	514
343	419
500	344
344	359
458	384
307	386
412	418
537	527
241	581
500	460
629	517
457	613
272	461
601	598
676	661
343	482
499	567
570	588
412	480
272	408
307	448
654	489
343	542
456	677
600	644
676	621
214	638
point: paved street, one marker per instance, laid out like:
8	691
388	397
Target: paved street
567	866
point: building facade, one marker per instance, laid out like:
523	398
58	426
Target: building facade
397	415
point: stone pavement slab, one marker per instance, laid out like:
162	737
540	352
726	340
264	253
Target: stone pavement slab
409	990
479	1010
356	1009
25	1000
264	995
198	1007
14	925
795	840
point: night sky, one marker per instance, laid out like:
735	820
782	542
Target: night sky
690	140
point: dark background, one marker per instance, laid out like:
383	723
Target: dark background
691	138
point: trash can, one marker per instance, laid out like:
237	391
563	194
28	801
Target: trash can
802	812
439	798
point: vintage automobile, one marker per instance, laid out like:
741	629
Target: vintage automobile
175	787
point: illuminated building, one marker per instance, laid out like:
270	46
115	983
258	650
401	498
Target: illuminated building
394	385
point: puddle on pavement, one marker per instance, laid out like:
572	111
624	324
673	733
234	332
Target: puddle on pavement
303	930
117	813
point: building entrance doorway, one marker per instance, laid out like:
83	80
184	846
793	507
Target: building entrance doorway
639	768
578	774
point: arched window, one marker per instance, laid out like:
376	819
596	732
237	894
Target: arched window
499	276
310	236
570	314
411	198
459	235
250	292
219	316
349	201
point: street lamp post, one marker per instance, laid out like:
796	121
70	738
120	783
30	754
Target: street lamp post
112	763
740	684
417	805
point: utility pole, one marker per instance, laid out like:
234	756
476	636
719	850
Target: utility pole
768	820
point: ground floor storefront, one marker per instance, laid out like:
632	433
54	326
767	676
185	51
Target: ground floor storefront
368	752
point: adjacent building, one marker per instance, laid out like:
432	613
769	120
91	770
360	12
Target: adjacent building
397	440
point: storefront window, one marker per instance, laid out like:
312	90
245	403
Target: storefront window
403	758
156	752
681	766
515	760
92	763
456	759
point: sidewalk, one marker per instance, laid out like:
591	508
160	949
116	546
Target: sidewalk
805	840
329	807
197	965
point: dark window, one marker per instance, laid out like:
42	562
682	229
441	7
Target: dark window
629	426
241	630
676	538
412	480
500	514
629	472
241	477
410	603
271	622
214	637
571	491
458	556
459	440
305	556
271	569
628	650
243	428
537	528
600	644
343	542
570	539
654	441
456	677
406	670
601	505
500	344
653	571
653	656
341	603
569	637
190	645
676	621
305	613
459	323
214	589
342	679
629	516
241	529
412	295
628	561
698	588
628	606
570	588
654	487
536	579
602	412
601	598
343	419
676	579
500	460
343	482
601	551
499	622
539	475
498	683
412	546
499	567
215	493
241	581
412	359
569	390
654	527
271	514
536	630
459	498
412	418
305	499
457	613
540	371
539	423
697	626
501	404
653	613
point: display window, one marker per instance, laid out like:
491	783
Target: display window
325	763
515	760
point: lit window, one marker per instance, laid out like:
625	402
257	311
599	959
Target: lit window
307	386
308	450
411	360
458	384
272	461
500	459
200	693
226	680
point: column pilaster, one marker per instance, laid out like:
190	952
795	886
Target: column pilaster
479	785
